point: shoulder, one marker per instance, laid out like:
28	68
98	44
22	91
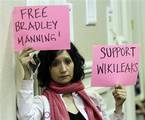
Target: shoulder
92	92
41	99
95	97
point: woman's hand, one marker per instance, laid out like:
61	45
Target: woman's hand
23	59
119	94
140	108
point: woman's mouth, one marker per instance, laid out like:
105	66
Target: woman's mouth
64	76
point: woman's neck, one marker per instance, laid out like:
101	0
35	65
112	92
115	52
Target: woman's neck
69	102
67	95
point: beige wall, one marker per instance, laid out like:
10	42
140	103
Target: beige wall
7	66
86	36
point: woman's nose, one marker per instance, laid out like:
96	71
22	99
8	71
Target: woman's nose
63	67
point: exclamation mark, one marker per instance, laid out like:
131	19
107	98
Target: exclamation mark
58	34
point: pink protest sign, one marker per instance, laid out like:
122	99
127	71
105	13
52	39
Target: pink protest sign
41	27
115	64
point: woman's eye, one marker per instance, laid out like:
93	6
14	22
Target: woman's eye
68	61
55	63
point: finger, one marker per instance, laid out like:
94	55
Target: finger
119	93
119	87
120	96
33	62
26	53
26	49
138	112
25	60
140	105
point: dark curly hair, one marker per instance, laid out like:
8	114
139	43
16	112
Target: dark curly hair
47	57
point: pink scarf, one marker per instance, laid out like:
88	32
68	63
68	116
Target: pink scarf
57	107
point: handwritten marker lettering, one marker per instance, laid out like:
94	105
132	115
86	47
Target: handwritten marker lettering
115	64
41	27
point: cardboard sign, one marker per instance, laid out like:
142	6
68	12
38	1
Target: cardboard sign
115	65
41	27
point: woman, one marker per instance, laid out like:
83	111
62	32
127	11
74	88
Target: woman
63	97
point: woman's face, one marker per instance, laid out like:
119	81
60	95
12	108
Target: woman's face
62	68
